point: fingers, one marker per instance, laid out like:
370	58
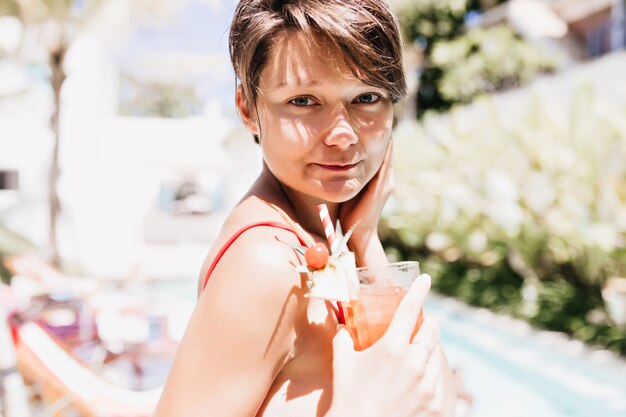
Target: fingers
425	341
378	183
429	389
385	172
387	162
388	177
406	316
386	165
422	347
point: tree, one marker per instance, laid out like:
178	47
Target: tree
59	22
442	29
485	61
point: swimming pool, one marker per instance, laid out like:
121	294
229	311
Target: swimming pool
513	370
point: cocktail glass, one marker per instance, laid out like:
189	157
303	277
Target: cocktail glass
380	290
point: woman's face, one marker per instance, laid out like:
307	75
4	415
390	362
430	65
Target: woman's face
323	132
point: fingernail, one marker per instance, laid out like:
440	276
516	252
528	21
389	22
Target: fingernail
424	278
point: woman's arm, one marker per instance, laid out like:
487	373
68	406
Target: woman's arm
241	332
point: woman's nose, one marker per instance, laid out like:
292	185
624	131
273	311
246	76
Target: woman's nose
341	132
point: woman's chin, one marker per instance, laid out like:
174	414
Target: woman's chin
340	191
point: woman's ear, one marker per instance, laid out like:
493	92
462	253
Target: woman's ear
247	117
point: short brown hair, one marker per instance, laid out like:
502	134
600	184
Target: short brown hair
365	31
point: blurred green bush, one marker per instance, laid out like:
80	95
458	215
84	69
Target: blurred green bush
459	62
521	211
485	61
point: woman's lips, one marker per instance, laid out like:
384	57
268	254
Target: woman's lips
338	167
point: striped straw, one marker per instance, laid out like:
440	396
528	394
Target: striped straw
329	230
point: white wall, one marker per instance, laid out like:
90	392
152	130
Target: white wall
111	171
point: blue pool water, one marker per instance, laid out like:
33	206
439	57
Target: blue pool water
512	370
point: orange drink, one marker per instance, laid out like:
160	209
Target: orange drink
380	290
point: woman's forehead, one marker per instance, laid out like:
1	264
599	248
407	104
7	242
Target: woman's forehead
298	59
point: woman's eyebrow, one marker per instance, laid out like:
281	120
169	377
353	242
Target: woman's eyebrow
298	83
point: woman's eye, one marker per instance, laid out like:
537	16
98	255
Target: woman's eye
302	101
367	98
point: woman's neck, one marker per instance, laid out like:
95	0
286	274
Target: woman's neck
301	207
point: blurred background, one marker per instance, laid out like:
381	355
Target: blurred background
121	153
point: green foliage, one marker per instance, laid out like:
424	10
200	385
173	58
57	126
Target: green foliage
461	64
497	287
485	61
430	21
521	210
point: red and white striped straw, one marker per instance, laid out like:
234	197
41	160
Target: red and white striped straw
329	230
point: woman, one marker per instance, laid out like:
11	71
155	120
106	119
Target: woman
318	79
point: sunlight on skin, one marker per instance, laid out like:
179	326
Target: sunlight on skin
317	311
330	126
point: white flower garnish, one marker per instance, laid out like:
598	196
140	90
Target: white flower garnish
337	280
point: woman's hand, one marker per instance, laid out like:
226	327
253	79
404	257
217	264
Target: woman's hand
396	376
366	209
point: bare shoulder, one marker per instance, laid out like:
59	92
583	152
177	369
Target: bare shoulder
256	282
250	211
244	328
260	262
261	257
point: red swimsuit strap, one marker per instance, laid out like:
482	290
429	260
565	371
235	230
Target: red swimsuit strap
234	237
239	233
